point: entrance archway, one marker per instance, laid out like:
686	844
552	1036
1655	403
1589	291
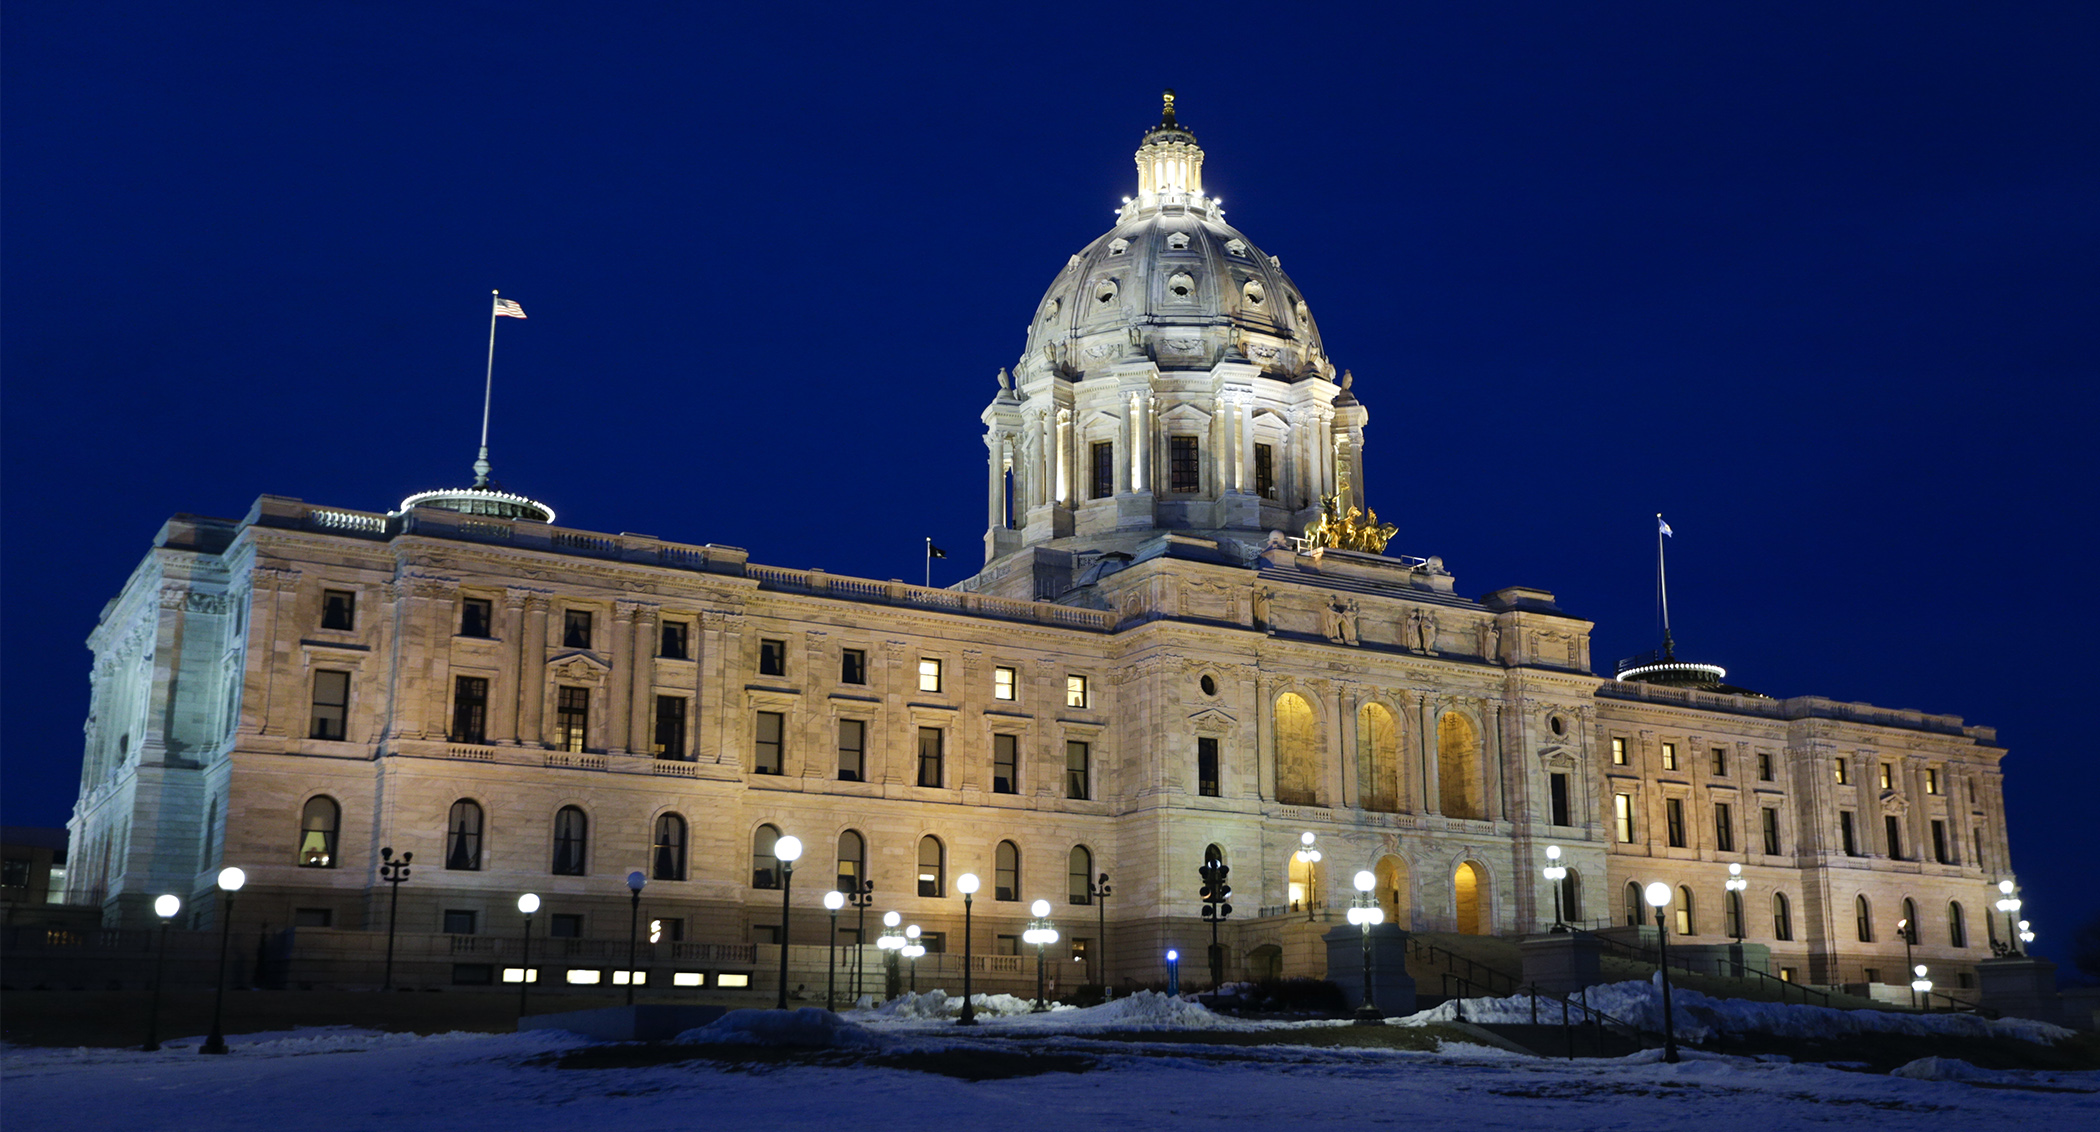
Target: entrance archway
1393	893
1466	885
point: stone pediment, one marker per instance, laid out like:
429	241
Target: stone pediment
1186	415
1213	718
578	666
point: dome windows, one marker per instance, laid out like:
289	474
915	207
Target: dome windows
1105	291
1050	310
1118	246
1181	285
1178	241
1253	293
1237	248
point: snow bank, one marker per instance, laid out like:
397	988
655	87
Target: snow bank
1697	1017
1145	1010
811	1027
939	1004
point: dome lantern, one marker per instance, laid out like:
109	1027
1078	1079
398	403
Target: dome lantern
1170	165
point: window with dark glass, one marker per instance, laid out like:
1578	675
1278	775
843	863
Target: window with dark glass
1720	766
853	750
1207	766
570	828
1764	766
565	925
338	610
576	628
1782	918
1893	827
1863	919
1006	756
1079	875
477	617
853	666
318	823
1104	454
313	917
1733	914
1939	842
1673	818
1771	820
667	855
331	704
670	728
673	640
765	867
1724	828
933	867
470	709
1265	471
463	837
1076	759
1006	872
853	861
929	756
772	658
766	752
1846	838
1957	925
572	718
459	921
1558	790
1184	472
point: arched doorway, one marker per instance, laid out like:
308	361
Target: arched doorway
1265	962
1297	757
1467	885
1460	791
1378	759
1393	893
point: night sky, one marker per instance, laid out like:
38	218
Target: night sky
1816	282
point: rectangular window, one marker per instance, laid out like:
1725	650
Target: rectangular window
1558	798
674	641
565	925
1669	756
1003	684
929	674
1622	814
1724	828
1006	777
1847	839
331	704
1075	691
1184	472
1673	817
1618	751
576	628
338	610
667	929
1932	781
1844	773
1265	471
1888	776
1764	766
1076	770
766	752
1939	842
313	917
572	718
853	750
470	709
853	666
1207	767
1786	974
1873	974
1771	820
1104	454
477	617
1006	945
670	727
1720	767
772	658
459	921
1893	827
930	756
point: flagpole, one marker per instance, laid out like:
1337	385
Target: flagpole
488	389
1662	581
929	561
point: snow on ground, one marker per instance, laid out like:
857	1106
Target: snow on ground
354	1080
1698	1016
1145	1010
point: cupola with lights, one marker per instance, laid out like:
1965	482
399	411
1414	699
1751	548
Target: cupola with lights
485	497
1660	666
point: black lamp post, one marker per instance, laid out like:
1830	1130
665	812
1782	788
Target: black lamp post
1365	912
1215	909
393	873
1555	873
230	881
787	851
1041	934
165	907
967	885
911	950
1908	932
833	901
2009	904
1310	858
1098	891
1735	884
635	881
860	898
891	942
527	904
1658	897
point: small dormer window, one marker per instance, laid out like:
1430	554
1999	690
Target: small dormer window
1105	291
1049	310
1181	284
1118	246
1179	241
1237	247
1255	295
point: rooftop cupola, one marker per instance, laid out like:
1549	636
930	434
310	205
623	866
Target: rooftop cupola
1170	165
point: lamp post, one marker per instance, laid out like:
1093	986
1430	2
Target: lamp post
527	905
1041	934
1735	884
1173	973
1098	891
635	881
1920	985
860	898
1908	933
787	851
393	873
891	941
1309	857
833	901
967	885
1555	872
2009	904
911	950
1658	897
1365	912
230	881
2026	935
1214	895
165	907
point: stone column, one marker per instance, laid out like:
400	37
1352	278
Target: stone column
1246	444
995	484
1432	775
639	740
1067	495
719	648
274	592
532	671
1348	699
1121	468
621	679
1046	456
503	690
1493	771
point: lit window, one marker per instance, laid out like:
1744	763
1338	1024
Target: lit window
1932	781
733	979
1669	756
1002	683
1618	751
929	674
1075	691
338	610
1684	911
331	704
688	979
318	822
572	718
1888	776
1844	773
1622	812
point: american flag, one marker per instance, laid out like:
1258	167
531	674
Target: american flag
509	309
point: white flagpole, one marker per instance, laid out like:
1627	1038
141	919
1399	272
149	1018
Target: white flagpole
929	561
488	388
1662	581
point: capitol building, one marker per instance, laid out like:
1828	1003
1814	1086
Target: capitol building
1188	640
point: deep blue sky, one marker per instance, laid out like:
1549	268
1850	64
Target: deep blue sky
1816	281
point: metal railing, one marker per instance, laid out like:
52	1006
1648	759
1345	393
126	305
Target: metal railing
1743	970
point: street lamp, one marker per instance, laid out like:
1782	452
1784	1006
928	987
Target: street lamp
2026	936
527	905
787	851
1307	856
1658	897
635	881
1098	891
393	872
860	897
1735	884
1908	933
891	941
1173	973
1920	985
230	881
2009	904
833	901
1366	912
911	950
1040	933
967	885
1555	873
165	907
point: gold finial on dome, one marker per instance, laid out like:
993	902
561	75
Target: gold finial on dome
1166	116
1169	162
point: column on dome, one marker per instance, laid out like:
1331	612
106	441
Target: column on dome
1065	493
995	444
1121	467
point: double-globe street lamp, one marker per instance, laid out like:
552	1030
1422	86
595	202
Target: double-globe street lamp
833	901
1658	897
635	881
787	851
2009	904
1365	912
967	885
393	873
1735	884
1041	933
1920	985
890	941
860	897
911	950
1555	873
1908	933
165	906
1309	857
230	881
527	905
1098	892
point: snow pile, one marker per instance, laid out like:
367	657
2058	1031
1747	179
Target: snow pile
939	1004
1698	1017
811	1027
1946	1069
1151	1010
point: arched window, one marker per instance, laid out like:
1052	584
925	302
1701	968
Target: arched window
765	867
1633	903
933	867
1782	918
1733	913
1571	897
317	828
1957	925
463	837
1378	759
1079	875
1863	914
1297	752
570	831
1393	893
1213	853
667	856
1459	785
1006	870
1466	885
1684	911
853	861
1910	929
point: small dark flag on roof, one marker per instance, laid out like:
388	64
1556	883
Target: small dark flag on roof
935	551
